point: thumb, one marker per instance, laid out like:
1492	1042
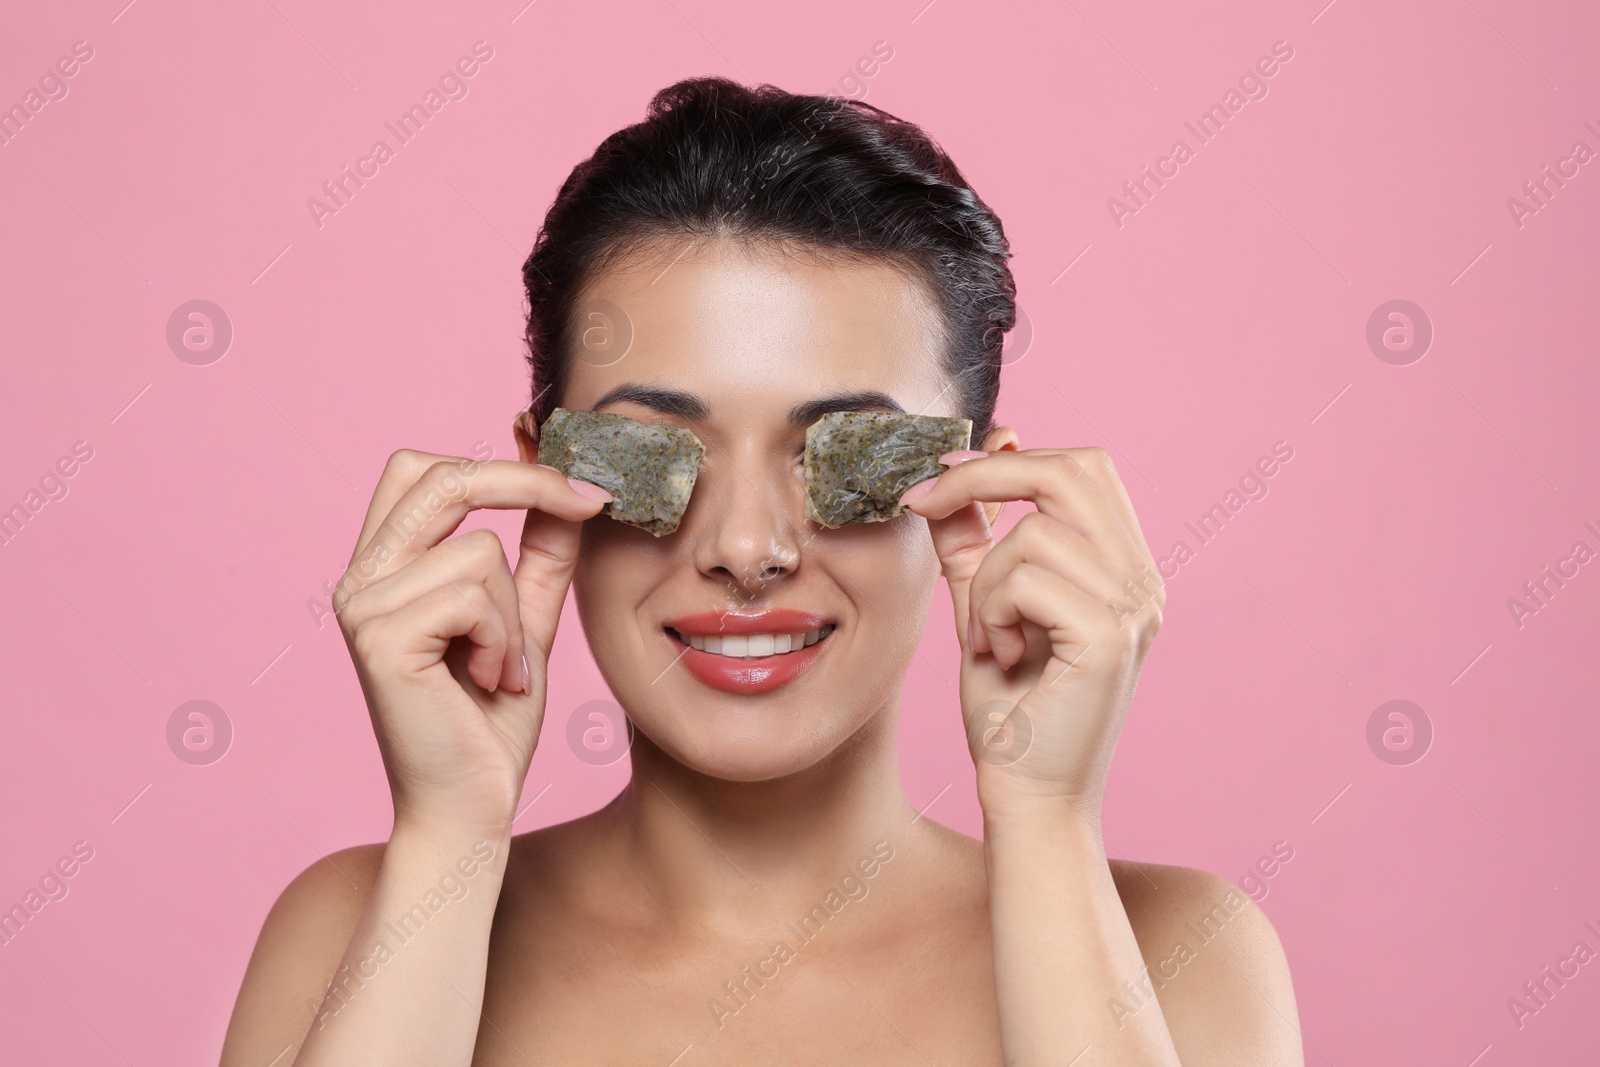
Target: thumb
547	557
961	539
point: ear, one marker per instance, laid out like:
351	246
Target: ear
526	431
1000	439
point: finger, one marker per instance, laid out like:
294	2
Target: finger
402	471
435	504
1141	578
1057	548
473	558
546	558
1097	462
1029	592
1077	486
1053	479
417	633
961	540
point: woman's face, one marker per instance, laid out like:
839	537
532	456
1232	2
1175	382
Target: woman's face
747	345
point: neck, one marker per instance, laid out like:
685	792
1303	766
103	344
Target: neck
709	851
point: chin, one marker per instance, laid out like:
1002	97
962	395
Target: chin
748	739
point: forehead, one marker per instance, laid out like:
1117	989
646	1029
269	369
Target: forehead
751	326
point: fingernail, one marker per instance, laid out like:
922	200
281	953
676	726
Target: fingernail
951	459
590	490
527	679
917	492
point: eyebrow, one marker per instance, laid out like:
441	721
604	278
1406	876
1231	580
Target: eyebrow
688	406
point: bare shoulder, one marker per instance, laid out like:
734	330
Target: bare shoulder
1213	962
300	945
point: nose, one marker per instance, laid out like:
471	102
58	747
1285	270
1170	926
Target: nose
746	524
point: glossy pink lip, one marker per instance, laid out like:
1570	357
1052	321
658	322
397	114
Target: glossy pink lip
770	621
748	676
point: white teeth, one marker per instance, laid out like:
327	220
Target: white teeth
746	646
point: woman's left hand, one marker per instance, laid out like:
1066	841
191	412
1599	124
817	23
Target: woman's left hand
1063	611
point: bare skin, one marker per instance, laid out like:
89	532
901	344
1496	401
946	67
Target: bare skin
647	932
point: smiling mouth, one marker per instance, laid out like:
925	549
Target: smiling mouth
753	646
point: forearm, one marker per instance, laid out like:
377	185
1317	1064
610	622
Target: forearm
1063	946
409	989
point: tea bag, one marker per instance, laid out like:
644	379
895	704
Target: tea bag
858	464
649	469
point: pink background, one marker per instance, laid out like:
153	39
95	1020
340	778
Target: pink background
1226	315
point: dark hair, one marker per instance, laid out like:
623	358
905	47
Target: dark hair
714	157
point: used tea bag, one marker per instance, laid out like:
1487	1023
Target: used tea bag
649	469
859	463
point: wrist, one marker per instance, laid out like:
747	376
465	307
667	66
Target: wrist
427	856
438	834
1030	815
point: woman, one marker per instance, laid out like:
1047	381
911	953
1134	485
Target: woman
762	891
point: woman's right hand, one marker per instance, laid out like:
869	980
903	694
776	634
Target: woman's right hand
450	646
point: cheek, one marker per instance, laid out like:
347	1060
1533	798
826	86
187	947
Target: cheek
614	572
890	569
913	549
